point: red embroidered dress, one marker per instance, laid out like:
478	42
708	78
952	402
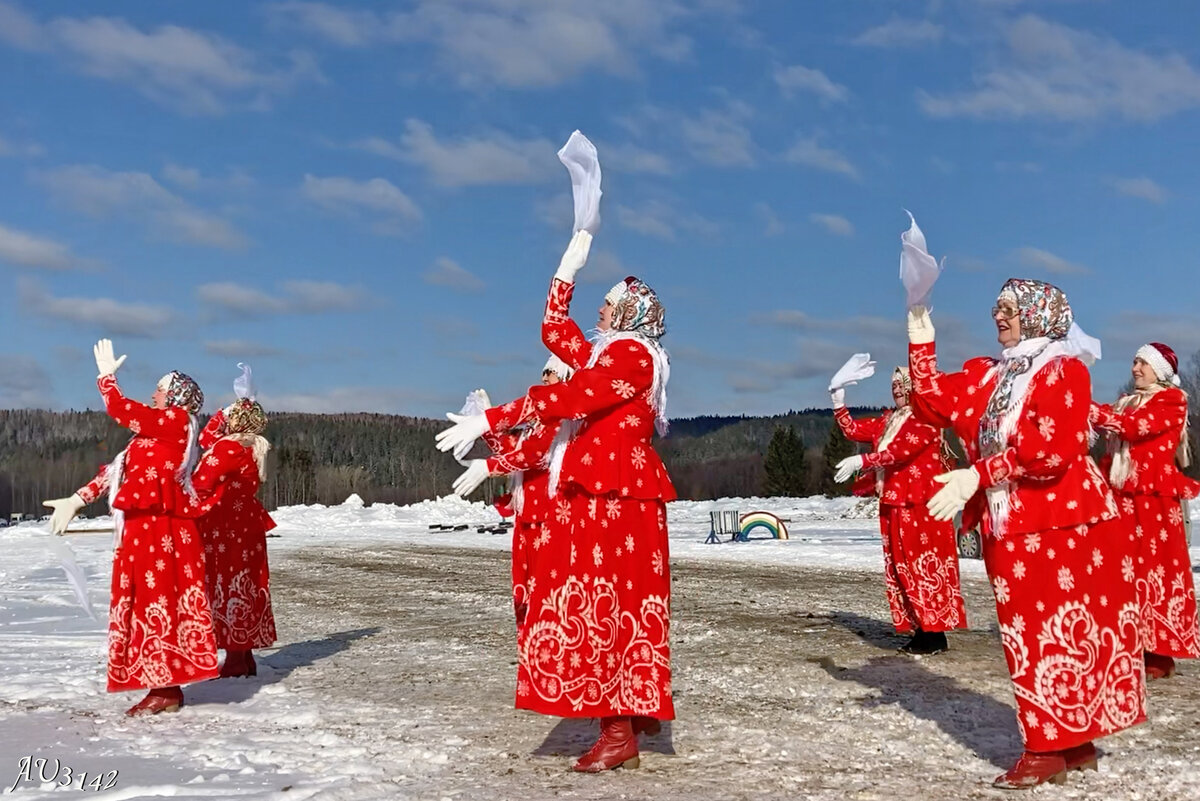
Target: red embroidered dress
1063	580
160	627
596	637
920	556
522	455
234	526
1149	487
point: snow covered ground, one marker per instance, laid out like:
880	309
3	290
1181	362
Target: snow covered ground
393	677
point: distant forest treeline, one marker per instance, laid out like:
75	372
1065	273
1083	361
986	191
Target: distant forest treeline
322	458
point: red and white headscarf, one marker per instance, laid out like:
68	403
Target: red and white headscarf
1162	359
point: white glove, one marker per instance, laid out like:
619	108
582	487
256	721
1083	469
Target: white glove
65	510
575	257
838	396
468	482
105	363
950	499
464	432
848	467
920	327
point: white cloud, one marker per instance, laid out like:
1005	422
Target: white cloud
797	78
633	159
191	179
772	225
378	198
25	149
291	297
24	384
661	220
513	43
898	32
839	226
1143	188
719	137
380	400
809	153
27	250
493	158
1049	262
103	314
137	197
241	349
191	71
448	273
1056	72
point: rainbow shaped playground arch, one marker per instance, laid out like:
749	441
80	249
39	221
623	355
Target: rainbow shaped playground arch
771	522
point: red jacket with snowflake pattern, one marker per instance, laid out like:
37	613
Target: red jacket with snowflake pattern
1152	430
909	462
153	455
1053	481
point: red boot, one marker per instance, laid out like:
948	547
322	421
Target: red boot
1032	769
617	747
645	725
1081	757
238	664
163	699
1159	666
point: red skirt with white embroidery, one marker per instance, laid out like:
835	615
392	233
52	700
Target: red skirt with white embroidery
239	580
920	570
594	640
160	627
1166	591
1069	623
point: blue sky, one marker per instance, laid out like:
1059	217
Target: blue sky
364	202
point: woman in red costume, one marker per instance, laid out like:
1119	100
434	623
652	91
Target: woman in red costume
595	643
160	627
920	557
234	526
1064	587
1147	432
520	456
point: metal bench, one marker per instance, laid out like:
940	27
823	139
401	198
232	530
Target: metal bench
724	523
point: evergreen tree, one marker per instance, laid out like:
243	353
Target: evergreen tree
785	467
837	448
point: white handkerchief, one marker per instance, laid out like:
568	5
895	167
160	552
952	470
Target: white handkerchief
579	157
857	367
918	270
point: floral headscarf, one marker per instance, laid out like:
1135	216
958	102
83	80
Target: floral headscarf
182	391
900	376
245	416
637	308
1042	308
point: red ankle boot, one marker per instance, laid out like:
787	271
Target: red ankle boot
1159	666
1081	757
617	747
163	699
1032	769
238	664
645	725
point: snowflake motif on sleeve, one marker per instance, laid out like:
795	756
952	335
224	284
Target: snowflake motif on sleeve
623	388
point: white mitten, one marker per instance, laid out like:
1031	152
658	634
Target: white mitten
65	510
466	429
920	327
106	364
848	467
470	480
575	257
838	397
950	499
